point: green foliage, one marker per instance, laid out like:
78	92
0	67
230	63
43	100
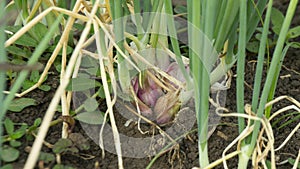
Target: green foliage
52	47
81	84
33	128
12	133
90	104
93	117
7	166
180	9
46	157
79	141
9	154
33	79
277	19
26	40
19	104
38	31
63	146
292	161
73	144
295	115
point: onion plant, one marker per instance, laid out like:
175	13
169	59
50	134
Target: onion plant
213	28
159	88
219	22
3	58
258	105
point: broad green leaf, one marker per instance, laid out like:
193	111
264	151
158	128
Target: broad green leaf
61	145
19	104
78	26
27	84
277	20
25	39
38	31
81	84
292	161
13	29
35	125
295	45
45	88
18	51
253	46
94	71
294	32
19	133
9	126
9	154
79	141
18	61
90	104
95	117
34	76
89	62
62	4
7	166
179	9
101	92
46	157
57	65
268	163
52	48
14	143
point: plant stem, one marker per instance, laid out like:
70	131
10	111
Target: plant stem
260	60
254	15
201	79
137	16
3	59
273	67
229	17
118	25
174	41
241	63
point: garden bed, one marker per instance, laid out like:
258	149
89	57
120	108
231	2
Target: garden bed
186	155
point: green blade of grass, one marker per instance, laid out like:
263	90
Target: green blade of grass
157	6
3	59
254	14
241	63
174	41
229	17
274	83
201	79
118	19
260	60
137	15
273	67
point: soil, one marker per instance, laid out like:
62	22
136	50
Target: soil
186	156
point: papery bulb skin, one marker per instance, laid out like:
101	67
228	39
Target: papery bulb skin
175	71
135	84
145	110
166	107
